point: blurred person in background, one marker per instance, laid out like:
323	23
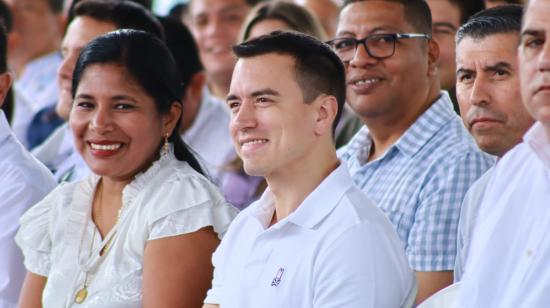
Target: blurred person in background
447	17
215	24
34	57
327	12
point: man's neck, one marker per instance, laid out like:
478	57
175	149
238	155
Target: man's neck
219	85
292	185
386	130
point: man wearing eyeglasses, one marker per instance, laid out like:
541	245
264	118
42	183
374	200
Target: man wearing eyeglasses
414	157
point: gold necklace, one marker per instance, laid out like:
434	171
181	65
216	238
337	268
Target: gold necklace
82	293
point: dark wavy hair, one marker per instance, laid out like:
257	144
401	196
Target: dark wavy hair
150	63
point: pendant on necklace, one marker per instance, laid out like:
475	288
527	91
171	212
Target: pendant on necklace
81	295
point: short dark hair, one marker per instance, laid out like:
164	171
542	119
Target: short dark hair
497	20
56	6
6	17
417	13
3	49
124	14
318	69
149	62
468	8
182	45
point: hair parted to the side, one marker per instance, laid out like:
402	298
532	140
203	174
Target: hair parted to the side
318	69
124	14
149	62
294	16
497	20
417	13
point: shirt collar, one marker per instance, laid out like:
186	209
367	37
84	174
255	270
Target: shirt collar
538	141
414	138
427	125
317	205
5	129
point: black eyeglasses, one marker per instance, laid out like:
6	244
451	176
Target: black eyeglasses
378	46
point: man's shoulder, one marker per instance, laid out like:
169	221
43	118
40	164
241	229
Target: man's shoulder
18	165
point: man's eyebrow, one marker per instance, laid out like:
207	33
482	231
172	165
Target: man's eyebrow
444	24
384	28
531	32
266	91
231	97
498	66
464	71
234	7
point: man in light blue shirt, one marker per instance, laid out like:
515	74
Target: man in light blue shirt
414	157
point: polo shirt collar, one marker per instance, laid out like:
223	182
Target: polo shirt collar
317	205
426	126
538	141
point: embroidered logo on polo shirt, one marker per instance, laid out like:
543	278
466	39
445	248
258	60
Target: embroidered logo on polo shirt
275	282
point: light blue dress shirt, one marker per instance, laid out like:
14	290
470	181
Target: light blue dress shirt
420	182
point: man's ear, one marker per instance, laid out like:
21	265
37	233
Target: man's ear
326	113
433	56
5	83
194	89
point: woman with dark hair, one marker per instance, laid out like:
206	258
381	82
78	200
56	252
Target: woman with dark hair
140	231
267	17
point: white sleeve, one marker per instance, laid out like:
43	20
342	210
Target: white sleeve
34	235
16	197
188	204
362	268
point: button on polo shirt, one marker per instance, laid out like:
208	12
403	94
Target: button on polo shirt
335	250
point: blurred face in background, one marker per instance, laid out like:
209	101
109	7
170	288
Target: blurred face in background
445	23
79	33
215	24
37	29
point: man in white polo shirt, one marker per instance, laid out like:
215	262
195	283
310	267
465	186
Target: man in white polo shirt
313	239
508	261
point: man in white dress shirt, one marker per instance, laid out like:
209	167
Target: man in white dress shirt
313	239
508	261
23	182
489	98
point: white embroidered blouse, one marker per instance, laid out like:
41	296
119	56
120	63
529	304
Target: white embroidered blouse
168	199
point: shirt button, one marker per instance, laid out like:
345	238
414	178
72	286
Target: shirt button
529	252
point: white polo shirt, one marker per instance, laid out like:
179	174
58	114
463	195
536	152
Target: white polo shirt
508	264
335	250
